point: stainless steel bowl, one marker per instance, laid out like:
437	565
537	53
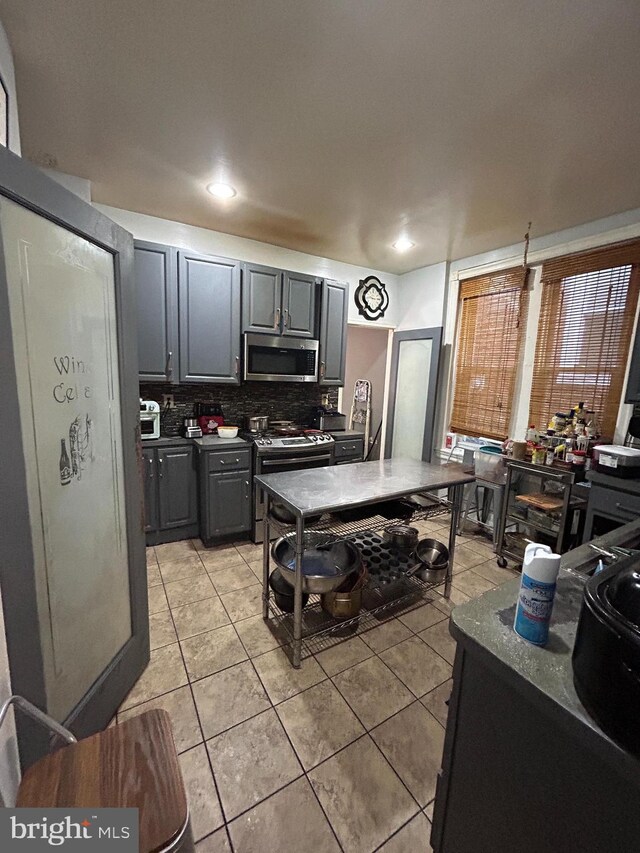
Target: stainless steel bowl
401	536
434	556
324	565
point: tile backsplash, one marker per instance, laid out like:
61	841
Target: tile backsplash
279	400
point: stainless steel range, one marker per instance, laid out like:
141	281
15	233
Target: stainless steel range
273	454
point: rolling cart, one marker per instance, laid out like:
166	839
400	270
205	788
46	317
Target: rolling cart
538	506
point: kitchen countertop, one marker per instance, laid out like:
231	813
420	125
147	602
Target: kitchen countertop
345	434
316	490
207	442
545	675
214	442
165	441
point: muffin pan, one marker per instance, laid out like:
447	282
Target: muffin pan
385	563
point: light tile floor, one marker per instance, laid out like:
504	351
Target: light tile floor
341	755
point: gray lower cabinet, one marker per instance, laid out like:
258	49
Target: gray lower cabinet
225	493
170	493
278	303
157	316
348	449
209	313
333	332
150	490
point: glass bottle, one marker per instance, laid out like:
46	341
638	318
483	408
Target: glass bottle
65	464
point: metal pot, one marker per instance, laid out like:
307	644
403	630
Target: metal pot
401	536
434	556
346	603
324	565
256	423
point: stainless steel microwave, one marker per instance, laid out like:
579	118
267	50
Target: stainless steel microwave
268	358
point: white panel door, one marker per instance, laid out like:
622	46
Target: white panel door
62	306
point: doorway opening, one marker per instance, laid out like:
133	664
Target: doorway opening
368	357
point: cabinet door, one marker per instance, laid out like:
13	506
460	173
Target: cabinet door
150	490
261	299
299	305
177	487
209	302
333	332
229	503
156	280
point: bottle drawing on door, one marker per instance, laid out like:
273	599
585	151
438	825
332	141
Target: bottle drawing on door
80	448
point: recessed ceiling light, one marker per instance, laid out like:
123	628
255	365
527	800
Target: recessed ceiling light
403	244
221	190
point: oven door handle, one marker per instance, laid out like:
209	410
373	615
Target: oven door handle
270	463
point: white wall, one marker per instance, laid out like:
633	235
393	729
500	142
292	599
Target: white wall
9	767
203	240
80	186
422	297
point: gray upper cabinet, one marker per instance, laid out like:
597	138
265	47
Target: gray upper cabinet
333	332
157	296
177	479
261	299
209	309
299	305
278	303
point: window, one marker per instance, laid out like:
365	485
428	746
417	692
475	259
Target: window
586	321
492	318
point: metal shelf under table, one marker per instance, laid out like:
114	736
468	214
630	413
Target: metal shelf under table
310	492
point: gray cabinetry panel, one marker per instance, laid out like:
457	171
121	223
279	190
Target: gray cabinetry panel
150	490
333	332
157	322
177	487
261	299
299	305
229	508
349	451
209	303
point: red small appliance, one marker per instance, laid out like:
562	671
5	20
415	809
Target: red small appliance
210	416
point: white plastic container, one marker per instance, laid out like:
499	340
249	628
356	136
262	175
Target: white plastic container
537	590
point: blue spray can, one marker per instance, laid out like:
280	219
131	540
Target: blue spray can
537	589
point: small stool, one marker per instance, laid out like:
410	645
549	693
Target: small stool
131	765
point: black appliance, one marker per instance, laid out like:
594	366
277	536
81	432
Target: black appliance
330	420
268	358
606	655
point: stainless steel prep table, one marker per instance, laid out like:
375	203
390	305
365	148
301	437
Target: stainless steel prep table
320	491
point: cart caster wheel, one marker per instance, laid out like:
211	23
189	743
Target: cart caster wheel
501	562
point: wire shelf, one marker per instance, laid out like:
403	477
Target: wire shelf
321	631
336	528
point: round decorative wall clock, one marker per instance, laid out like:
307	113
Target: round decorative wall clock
371	298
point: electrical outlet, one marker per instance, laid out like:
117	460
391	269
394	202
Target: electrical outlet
168	401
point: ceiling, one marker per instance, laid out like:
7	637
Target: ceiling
342	123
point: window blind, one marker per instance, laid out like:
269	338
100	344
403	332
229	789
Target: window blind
492	319
587	316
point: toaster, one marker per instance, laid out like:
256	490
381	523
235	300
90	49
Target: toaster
606	655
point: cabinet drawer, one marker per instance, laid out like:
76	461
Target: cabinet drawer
238	460
616	503
349	449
